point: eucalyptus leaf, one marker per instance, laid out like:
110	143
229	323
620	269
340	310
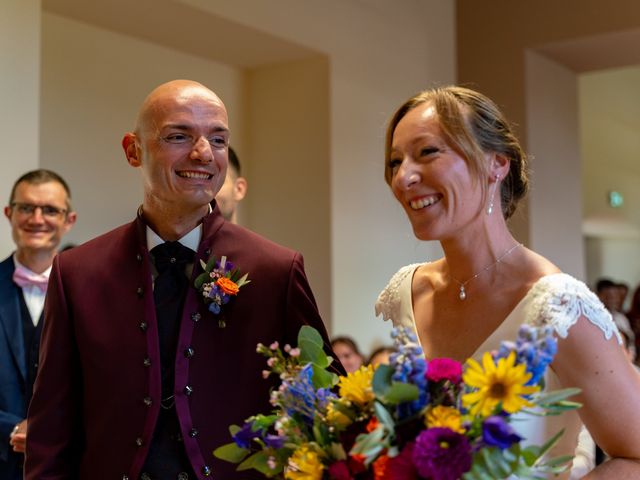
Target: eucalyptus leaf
384	416
310	352
401	392
323	379
548	398
382	380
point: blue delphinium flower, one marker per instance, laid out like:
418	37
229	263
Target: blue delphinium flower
409	367
300	397
497	432
534	347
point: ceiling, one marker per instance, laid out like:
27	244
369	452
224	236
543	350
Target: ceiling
185	28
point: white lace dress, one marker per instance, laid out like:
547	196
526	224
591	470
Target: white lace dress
558	300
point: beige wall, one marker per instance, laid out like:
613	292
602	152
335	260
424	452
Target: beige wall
555	201
93	82
19	98
287	138
493	39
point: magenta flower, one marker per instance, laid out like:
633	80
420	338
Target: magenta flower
444	369
442	454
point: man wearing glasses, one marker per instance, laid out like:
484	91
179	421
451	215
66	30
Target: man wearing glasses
40	214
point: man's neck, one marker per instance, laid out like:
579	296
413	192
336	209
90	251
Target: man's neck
37	261
172	225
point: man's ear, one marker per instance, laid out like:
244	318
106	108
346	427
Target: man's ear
130	146
239	188
7	212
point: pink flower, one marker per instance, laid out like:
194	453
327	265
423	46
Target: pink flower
295	352
271	362
440	369
274	346
266	373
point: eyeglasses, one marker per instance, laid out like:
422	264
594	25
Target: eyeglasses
28	209
184	139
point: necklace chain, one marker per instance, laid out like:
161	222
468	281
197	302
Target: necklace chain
463	293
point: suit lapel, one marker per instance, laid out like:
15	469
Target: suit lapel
10	320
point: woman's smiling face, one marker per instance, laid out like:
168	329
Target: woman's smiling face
431	180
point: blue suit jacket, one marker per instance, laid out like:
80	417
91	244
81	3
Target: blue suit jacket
13	369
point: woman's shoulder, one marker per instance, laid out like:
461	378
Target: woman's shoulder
389	301
559	300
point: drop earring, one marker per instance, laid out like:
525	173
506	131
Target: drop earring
492	196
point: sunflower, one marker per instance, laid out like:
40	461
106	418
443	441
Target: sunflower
497	384
446	417
356	386
304	464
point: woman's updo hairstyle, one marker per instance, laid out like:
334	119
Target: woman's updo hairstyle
473	126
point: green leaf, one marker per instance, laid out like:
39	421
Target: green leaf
323	379
401	392
257	461
231	453
233	429
382	380
548	398
550	443
263	422
211	263
311	347
243	280
200	279
384	416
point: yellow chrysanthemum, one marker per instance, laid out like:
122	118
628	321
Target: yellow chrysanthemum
336	417
356	386
503	383
446	417
304	464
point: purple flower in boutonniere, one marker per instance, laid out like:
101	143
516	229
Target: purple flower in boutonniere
218	283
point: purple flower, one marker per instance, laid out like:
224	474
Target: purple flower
274	441
244	436
497	432
442	454
214	308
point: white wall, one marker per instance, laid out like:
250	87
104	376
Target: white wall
93	82
19	98
379	54
553	141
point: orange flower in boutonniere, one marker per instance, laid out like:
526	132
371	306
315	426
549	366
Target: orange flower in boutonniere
218	282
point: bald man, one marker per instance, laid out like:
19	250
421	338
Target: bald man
138	378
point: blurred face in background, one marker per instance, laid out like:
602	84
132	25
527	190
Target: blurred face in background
351	360
39	216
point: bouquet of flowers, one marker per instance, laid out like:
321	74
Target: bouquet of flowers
410	419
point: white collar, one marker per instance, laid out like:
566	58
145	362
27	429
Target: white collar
190	240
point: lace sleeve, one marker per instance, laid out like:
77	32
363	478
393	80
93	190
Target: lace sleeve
389	302
560	300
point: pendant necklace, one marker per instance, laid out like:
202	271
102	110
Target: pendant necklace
463	294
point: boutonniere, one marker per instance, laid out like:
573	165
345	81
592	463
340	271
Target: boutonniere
218	283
